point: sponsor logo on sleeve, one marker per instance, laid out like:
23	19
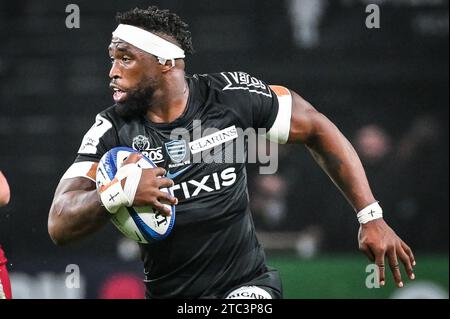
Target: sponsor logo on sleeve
93	136
243	81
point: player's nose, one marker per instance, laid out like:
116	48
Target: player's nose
114	72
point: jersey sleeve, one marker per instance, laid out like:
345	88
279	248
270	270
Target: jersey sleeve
266	109
97	141
250	98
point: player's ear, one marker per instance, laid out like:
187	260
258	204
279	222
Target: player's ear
168	66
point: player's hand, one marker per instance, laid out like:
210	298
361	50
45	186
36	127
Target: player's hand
377	240
148	191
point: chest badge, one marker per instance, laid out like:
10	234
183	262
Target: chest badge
141	143
176	150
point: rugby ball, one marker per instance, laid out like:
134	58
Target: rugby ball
142	224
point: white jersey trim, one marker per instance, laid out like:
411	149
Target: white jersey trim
81	169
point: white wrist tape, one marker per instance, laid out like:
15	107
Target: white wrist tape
371	212
113	196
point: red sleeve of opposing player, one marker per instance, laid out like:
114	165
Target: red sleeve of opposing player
5	285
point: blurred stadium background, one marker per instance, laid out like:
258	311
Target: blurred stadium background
386	89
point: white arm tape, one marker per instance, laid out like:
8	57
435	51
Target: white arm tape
279	132
371	212
113	196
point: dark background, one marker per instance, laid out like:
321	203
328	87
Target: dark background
385	88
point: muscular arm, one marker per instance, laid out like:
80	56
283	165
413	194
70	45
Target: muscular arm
331	150
76	210
334	153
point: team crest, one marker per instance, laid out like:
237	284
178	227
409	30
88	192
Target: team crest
140	143
176	150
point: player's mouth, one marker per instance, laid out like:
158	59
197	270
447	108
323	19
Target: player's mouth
119	95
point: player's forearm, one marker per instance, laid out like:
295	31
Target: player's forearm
337	157
74	215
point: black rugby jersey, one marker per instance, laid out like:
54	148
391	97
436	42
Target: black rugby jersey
213	245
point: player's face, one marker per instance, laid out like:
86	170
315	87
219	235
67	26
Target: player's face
132	70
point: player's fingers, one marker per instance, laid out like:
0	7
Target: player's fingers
165	182
159	171
132	158
395	267
409	252
163	209
366	250
406	262
379	261
166	198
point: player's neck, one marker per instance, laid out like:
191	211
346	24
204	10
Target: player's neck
170	101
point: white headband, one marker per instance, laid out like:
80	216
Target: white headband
149	42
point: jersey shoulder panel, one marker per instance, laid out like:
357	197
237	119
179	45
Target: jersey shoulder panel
252	100
101	136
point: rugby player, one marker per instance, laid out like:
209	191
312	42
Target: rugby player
213	251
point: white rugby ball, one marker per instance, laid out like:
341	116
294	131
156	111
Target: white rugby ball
141	224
